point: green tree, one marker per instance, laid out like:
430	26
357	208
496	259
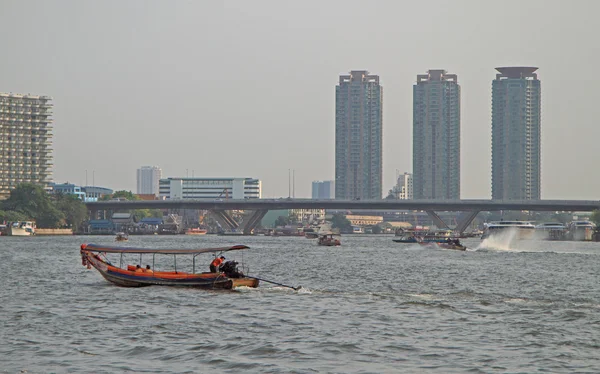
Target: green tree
339	221
34	203
146	213
128	195
282	221
12	216
73	209
376	229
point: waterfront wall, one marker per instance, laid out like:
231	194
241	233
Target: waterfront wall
53	231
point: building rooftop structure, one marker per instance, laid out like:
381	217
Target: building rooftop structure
516	72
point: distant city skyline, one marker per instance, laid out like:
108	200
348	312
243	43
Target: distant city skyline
253	96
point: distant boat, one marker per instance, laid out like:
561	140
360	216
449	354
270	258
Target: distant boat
328	240
21	228
551	231
454	245
196	231
581	230
121	237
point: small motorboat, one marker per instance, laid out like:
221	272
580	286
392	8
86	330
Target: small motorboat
121	237
196	231
328	240
311	235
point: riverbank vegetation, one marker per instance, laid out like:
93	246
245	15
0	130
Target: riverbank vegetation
30	202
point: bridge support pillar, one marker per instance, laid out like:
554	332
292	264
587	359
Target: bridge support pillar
465	219
93	213
437	220
225	219
251	220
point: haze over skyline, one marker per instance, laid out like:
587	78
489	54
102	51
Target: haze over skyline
247	89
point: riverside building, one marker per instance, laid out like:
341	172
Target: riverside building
405	186
323	189
25	140
148	178
358	136
436	136
210	188
516	134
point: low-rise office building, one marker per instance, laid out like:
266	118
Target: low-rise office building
68	189
210	188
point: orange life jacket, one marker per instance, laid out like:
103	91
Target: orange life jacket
217	261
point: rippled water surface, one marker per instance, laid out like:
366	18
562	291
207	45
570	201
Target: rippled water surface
371	305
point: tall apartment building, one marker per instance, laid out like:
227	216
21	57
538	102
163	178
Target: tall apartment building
323	190
516	134
148	178
25	140
358	136
436	136
210	188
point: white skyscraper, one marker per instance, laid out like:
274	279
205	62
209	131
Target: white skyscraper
147	180
405	182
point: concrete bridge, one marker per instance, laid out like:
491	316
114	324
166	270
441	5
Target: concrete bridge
469	208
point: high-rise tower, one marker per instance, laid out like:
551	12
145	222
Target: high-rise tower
358	136
26	137
516	134
148	178
436	136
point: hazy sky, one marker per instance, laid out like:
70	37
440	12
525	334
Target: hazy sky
247	88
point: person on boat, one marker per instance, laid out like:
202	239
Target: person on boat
138	269
216	263
148	269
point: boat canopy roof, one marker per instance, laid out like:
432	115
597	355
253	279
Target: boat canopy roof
99	248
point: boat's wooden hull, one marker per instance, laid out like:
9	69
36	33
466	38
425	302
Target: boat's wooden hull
456	247
129	278
330	244
423	240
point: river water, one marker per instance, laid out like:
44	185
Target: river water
368	306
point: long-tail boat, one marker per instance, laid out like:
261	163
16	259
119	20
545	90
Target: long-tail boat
129	275
455	246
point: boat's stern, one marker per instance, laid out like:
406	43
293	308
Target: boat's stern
244	282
